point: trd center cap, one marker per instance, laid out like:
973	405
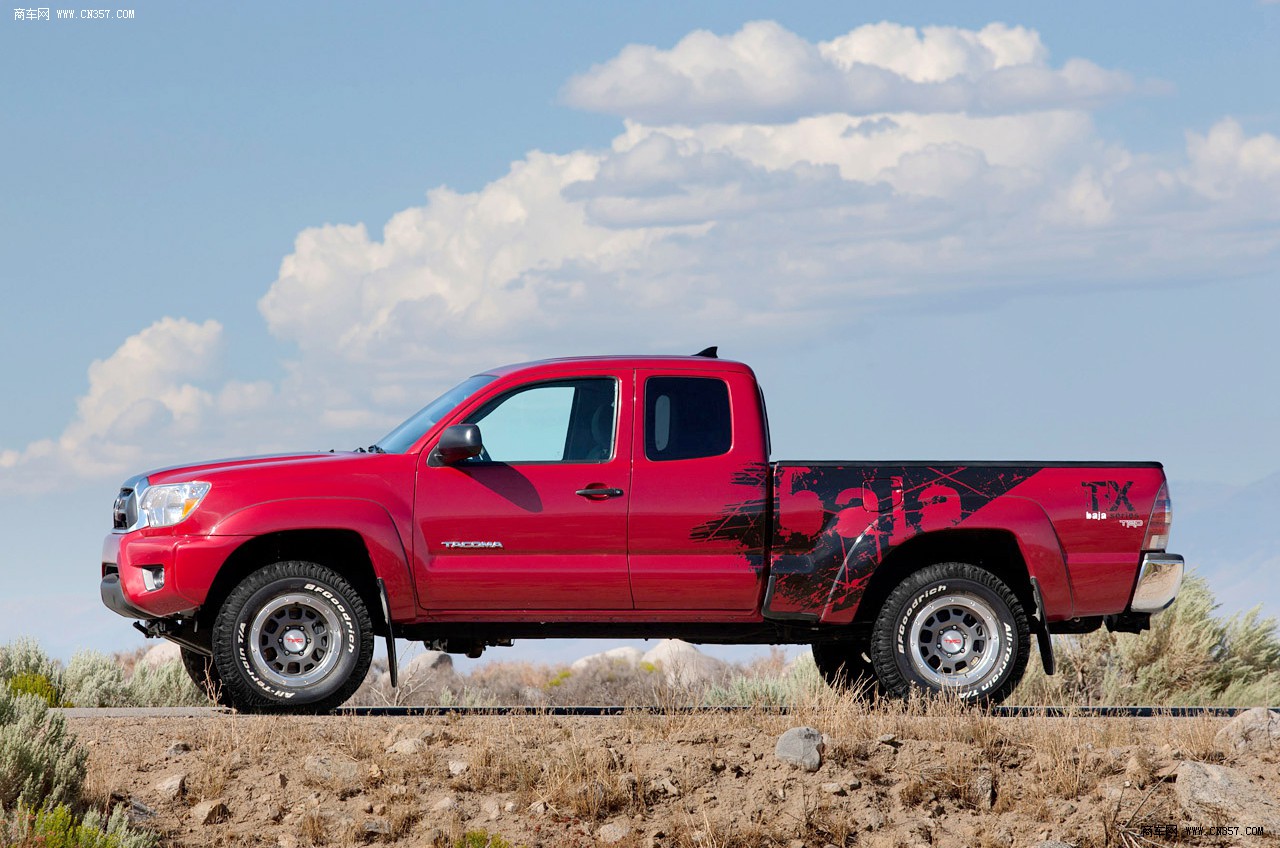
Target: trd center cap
952	641
294	641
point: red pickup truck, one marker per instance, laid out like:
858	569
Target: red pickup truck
628	497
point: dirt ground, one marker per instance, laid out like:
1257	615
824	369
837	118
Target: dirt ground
891	776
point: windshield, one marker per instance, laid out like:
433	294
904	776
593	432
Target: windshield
402	438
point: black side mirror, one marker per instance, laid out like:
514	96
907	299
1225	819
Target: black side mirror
457	443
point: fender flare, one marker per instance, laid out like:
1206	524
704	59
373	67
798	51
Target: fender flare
1031	528
368	519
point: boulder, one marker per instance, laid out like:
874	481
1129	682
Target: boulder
1209	793
162	653
683	664
1252	731
425	663
802	747
626	656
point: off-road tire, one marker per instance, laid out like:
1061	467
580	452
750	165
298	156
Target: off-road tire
844	668
293	637
201	670
952	627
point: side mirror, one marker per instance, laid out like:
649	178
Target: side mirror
457	443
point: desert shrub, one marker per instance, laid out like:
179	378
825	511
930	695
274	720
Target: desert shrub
770	686
57	827
39	761
23	658
164	685
37	685
93	679
1189	656
481	839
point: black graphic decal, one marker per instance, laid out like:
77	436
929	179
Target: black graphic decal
866	512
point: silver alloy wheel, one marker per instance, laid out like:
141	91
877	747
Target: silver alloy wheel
295	640
955	640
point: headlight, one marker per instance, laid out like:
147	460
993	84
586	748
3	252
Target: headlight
167	505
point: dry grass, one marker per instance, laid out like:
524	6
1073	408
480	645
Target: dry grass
925	772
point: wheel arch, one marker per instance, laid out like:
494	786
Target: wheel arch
342	550
996	551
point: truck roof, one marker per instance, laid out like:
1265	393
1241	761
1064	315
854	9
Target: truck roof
569	363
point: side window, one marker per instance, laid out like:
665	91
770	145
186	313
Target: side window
686	417
565	421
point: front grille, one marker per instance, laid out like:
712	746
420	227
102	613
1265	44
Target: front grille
125	510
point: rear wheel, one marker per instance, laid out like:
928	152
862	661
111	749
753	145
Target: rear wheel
845	665
294	636
951	627
203	674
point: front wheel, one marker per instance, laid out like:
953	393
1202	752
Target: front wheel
951	627
294	636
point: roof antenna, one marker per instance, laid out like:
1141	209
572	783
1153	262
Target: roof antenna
708	352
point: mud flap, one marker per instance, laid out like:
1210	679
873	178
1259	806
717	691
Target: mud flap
1042	631
391	636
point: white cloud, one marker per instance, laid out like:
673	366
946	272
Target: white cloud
764	73
724	221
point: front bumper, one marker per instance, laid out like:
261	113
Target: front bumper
1159	580
189	563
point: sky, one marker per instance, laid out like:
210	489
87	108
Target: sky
996	231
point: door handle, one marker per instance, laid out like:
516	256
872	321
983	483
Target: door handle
599	493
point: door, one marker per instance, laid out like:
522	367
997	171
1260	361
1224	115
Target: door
539	520
698	493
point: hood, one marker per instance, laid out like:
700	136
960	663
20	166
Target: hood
181	473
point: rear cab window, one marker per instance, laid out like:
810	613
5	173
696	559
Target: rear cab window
686	418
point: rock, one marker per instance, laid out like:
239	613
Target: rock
833	788
682	664
1253	730
377	826
287	840
625	656
538	807
801	747
177	748
1049	843
209	812
890	740
509	807
160	654
328	768
172	788
406	748
445	805
1217	793
854	783
426	663
457	768
613	832
490	810
139	812
982	789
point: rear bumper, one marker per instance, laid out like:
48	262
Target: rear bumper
1159	580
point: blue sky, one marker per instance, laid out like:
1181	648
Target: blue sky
1069	251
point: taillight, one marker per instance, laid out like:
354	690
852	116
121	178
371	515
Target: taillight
1158	525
